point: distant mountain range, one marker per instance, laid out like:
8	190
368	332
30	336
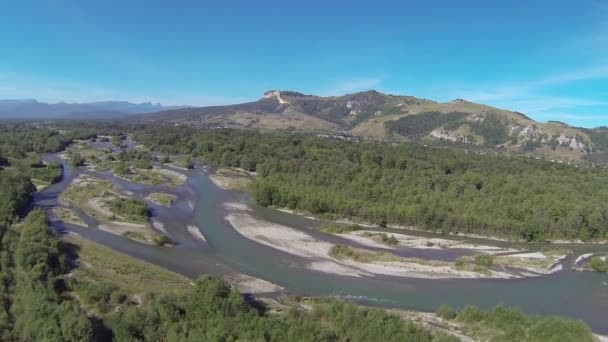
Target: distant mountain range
375	115
32	109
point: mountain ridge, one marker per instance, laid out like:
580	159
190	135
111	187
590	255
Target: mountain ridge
34	109
375	115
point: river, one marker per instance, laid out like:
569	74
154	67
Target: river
581	295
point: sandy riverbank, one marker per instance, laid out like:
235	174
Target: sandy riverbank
414	229
196	233
303	245
370	238
248	284
91	195
229	179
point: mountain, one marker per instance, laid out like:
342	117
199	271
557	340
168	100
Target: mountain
372	114
32	109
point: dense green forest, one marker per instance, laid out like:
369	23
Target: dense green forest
33	306
492	130
213	311
441	189
37	296
506	324
450	190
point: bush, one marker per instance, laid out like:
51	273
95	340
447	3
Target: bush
484	260
471	314
162	240
446	312
598	265
389	240
335	228
131	208
559	329
76	159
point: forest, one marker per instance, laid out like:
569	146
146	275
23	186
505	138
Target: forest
429	187
37	295
439	189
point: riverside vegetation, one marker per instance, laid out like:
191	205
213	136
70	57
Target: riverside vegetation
41	302
433	188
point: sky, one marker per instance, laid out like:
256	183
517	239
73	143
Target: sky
548	59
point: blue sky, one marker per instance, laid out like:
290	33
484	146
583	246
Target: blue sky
548	59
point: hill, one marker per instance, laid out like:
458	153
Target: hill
32	109
375	115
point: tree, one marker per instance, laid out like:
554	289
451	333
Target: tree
76	159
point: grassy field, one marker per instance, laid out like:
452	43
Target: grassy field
67	215
154	176
103	201
361	255
162	198
39	184
103	272
232	179
335	228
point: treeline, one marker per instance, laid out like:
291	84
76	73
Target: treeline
213	311
19	139
16	195
492	129
32	167
506	324
33	306
433	188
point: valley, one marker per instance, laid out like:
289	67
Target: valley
266	251
146	217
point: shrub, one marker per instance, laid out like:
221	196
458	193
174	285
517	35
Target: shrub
484	260
598	265
446	312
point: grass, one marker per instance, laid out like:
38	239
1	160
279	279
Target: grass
95	197
361	255
163	199
183	162
597	264
364	256
89	188
39	184
334	228
478	264
142	176
67	215
539	263
99	264
234	180
555	252
152	177
389	240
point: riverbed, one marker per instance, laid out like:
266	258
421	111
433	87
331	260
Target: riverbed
222	251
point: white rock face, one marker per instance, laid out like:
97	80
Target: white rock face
572	142
276	95
477	117
532	132
441	133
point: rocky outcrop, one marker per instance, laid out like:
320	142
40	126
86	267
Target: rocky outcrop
275	94
444	134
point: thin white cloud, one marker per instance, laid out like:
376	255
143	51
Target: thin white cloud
517	91
26	86
581	117
22	86
534	96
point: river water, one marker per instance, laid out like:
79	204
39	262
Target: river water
581	295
